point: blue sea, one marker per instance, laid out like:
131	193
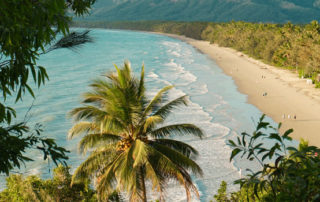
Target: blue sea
215	104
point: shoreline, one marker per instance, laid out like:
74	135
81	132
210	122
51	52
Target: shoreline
287	95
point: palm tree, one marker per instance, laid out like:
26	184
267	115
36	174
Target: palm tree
128	141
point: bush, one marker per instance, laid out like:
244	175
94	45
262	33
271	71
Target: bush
287	173
58	188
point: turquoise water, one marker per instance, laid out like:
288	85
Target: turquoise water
215	104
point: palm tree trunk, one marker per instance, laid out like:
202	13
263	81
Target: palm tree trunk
143	185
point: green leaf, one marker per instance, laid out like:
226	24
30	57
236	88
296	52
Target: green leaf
292	149
30	90
287	133
275	136
262	125
231	143
239	141
243	139
19	94
234	153
265	156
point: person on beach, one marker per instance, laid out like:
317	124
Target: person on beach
289	116
295	117
283	116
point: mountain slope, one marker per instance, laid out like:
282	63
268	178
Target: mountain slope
298	11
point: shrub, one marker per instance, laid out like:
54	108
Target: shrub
287	173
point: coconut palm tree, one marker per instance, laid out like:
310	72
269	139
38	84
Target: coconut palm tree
127	138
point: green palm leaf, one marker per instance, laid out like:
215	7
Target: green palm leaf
93	164
179	146
151	122
178	158
81	128
156	100
98	116
170	170
91	141
165	110
141	84
177	129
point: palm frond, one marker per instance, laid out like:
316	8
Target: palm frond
179	146
97	98
100	85
165	110
99	117
156	100
87	112
107	179
177	129
141	84
91	141
72	41
81	128
184	178
94	163
157	179
141	154
166	166
123	75
178	158
151	121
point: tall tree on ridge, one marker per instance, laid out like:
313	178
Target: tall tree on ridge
127	148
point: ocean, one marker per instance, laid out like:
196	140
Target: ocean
215	104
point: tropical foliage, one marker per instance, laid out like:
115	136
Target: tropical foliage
287	173
59	188
128	140
29	29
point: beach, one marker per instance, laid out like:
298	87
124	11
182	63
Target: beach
278	93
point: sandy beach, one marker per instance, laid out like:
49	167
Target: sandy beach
278	93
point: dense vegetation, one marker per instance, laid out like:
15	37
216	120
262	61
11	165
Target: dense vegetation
290	46
286	173
277	11
59	188
128	141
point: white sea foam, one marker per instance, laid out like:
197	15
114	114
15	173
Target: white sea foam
175	53
180	75
152	75
200	89
172	45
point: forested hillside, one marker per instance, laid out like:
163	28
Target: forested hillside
277	11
